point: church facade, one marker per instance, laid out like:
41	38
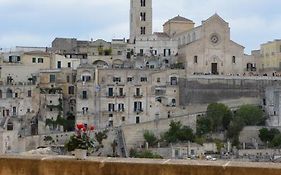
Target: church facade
204	49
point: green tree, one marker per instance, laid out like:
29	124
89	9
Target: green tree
203	126
276	142
272	133
235	127
264	135
178	132
219	115
150	138
252	115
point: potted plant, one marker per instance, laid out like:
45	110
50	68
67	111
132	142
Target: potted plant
81	142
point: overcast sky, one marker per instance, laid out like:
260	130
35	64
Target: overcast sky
38	22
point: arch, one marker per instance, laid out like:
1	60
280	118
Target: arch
173	102
100	63
9	93
117	63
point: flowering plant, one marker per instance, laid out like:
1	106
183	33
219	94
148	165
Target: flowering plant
81	139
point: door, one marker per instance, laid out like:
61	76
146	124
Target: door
214	68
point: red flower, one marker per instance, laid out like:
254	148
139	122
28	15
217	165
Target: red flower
84	129
80	126
92	127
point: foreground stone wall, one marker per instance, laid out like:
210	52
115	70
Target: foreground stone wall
110	166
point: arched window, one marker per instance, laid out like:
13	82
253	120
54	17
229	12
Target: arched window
173	102
9	93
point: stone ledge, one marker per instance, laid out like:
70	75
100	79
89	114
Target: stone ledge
67	165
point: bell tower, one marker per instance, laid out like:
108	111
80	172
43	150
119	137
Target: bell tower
140	19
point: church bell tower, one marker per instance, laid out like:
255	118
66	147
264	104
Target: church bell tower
140	19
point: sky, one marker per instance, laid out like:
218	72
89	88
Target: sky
39	22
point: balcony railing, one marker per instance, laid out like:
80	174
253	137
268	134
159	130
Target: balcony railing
121	95
138	110
138	96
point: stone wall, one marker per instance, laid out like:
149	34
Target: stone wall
134	133
209	89
54	165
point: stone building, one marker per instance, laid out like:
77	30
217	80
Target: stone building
270	57
208	49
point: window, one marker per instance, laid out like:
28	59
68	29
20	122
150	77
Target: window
52	78
110	92
71	90
85	110
16	95
69	64
158	80
119	52
59	65
167	52
142	16
68	79
143	79
195	59
129	79
28	110
84	95
40	60
137	119
0	94
116	79
141	52
33	60
29	93
110	107
137	106
121	92
233	59
14	111
173	102
123	119
142	3
121	107
142	31
174	80
86	78
137	91
9	93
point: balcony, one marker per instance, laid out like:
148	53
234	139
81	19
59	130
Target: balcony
110	95
138	110
138	96
121	95
45	165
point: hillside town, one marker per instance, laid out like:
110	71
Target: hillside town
186	92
